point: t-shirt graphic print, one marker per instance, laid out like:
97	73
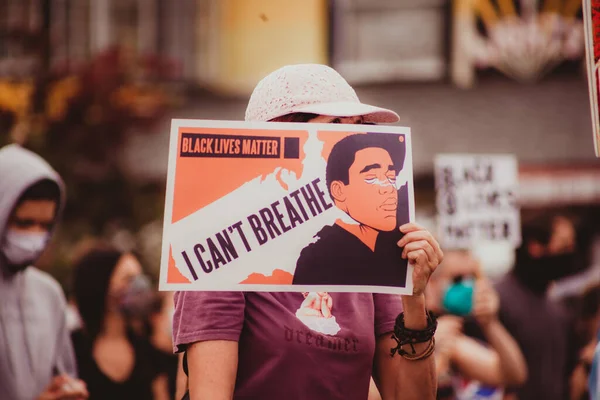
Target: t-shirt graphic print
316	313
292	345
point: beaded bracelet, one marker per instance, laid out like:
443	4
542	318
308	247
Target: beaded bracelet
403	336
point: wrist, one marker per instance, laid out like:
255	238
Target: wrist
420	339
415	312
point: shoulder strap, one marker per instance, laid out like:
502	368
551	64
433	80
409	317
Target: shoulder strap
185	364
186	396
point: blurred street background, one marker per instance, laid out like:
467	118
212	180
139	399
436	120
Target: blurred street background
91	85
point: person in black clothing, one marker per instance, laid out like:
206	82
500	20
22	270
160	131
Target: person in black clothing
115	363
361	178
543	328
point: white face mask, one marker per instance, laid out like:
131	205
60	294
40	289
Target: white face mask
21	248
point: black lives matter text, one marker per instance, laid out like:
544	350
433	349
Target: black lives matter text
473	205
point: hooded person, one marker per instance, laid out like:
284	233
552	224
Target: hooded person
36	355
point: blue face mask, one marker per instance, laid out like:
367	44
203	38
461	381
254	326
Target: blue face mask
458	299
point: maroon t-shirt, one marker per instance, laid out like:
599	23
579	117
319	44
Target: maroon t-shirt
291	345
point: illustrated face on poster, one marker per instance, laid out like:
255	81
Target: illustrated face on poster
287	207
362	183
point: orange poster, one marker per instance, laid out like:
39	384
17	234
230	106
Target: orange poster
591	18
286	207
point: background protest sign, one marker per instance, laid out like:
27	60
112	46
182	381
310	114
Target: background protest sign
591	21
477	199
286	207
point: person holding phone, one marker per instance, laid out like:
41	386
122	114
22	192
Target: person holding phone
476	354
36	355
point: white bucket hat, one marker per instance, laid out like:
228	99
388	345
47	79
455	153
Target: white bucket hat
310	88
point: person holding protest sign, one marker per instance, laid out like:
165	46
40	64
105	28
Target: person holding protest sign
254	345
476	354
36	355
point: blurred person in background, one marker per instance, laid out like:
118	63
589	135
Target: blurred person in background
587	328
587	316
581	376
155	323
476	357
542	327
36	355
110	291
594	374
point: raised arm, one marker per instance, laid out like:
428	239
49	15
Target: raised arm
397	377
212	369
502	364
401	379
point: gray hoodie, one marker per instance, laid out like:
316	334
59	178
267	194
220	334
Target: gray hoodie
34	339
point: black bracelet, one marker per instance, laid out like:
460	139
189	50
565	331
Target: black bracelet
403	336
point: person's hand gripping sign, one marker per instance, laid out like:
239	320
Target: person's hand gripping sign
422	251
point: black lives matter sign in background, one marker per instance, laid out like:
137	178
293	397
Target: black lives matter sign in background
477	199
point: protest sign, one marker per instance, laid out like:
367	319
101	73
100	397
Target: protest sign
286	207
591	22
476	199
